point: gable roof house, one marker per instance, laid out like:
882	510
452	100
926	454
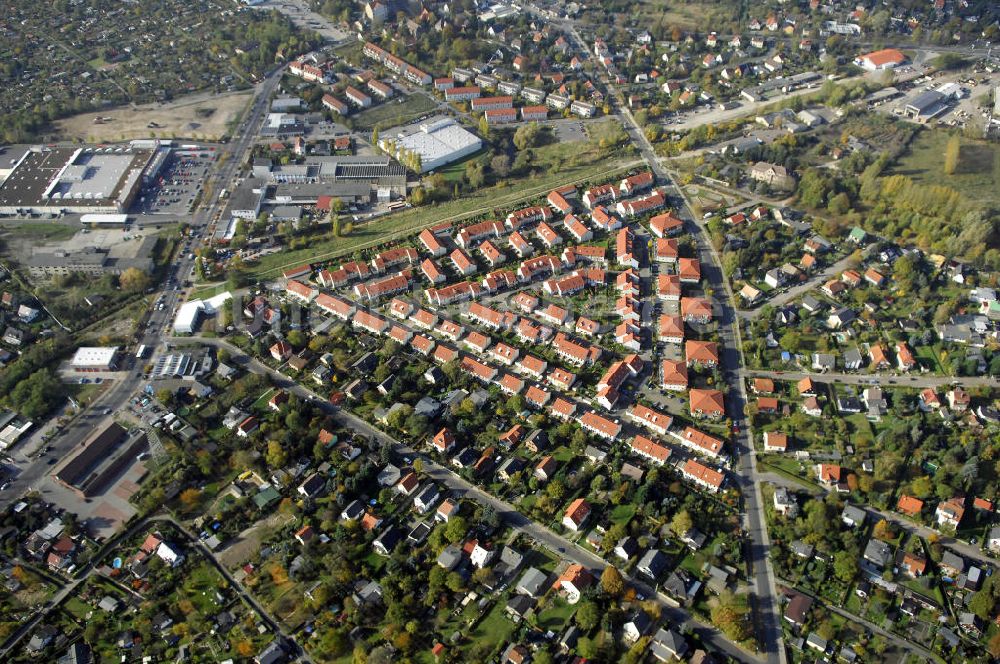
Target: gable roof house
576	514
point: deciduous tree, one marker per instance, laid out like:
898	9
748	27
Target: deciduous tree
612	582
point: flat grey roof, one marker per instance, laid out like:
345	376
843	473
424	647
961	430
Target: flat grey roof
96	177
925	101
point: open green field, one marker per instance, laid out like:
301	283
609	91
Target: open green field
395	112
38	231
482	202
977	177
683	14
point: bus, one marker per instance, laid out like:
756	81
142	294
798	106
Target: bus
141	352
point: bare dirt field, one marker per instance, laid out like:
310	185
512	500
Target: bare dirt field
202	117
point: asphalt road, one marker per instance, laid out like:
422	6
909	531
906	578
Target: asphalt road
765	603
917	381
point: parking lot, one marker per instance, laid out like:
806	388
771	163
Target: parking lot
956	113
303	17
177	185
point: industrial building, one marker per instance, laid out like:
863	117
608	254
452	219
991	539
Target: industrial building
378	170
77	180
174	365
103	457
926	105
92	359
12	428
46	262
190	313
887	58
438	141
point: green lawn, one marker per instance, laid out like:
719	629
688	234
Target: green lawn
563	455
395	112
261	403
76	608
494	629
40	231
200	585
978	173
622	514
454	172
927	355
555	614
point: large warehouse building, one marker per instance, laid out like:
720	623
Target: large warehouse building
439	141
77	180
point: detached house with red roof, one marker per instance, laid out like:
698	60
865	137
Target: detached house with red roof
904	357
432	272
599	194
576	514
775	441
643	205
281	351
444	441
701	353
828	474
635	184
463	264
950	512
909	505
573	582
671	329
600	426
431	243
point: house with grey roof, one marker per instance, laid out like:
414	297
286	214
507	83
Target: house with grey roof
353	511
878	553
852	359
532	582
681	586
824	361
389	476
388	540
518	606
450	557
427	498
853	516
951	564
510	561
816	642
667	645
366	592
812	304
652	564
